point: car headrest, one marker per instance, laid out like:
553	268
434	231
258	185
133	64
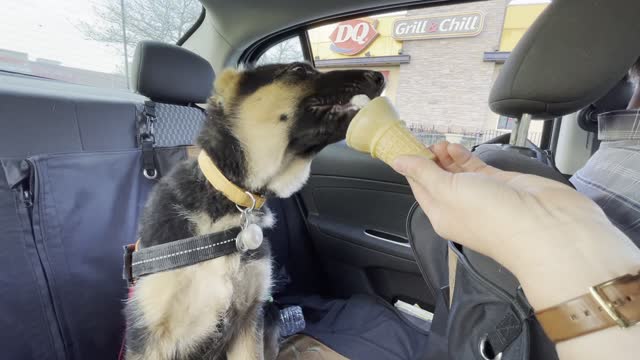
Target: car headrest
573	53
171	74
616	99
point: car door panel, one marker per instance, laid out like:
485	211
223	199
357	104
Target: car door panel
356	209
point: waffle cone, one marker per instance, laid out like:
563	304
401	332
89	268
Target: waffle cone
377	130
397	140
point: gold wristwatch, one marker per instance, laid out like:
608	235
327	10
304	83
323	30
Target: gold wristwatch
615	302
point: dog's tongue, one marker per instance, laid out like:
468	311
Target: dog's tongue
359	101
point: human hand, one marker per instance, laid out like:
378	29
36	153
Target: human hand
549	235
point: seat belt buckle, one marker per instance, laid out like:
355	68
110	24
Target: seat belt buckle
127	270
147	140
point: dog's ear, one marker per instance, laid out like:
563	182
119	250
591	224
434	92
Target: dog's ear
226	86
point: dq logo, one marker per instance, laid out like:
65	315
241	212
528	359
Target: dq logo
352	36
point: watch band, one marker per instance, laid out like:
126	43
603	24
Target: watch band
615	302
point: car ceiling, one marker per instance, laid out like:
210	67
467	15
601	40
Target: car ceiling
242	22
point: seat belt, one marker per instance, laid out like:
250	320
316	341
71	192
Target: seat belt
147	140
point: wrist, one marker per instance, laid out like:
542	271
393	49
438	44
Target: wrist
566	263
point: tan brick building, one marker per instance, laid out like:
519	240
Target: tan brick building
440	62
450	71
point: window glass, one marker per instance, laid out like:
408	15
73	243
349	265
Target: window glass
505	123
440	62
286	51
83	42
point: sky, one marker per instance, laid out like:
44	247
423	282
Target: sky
47	29
523	2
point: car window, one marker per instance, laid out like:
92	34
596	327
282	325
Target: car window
83	42
286	51
440	63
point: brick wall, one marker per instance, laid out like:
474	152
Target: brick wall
447	83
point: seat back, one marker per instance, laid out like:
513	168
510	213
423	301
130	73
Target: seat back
616	99
487	302
45	117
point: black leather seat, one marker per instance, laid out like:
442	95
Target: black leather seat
559	67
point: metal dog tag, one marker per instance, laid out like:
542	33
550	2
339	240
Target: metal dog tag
250	238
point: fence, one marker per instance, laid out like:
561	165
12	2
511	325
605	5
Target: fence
464	136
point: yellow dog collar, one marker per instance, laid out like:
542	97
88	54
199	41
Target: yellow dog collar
217	179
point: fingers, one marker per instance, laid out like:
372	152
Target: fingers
443	158
467	161
456	159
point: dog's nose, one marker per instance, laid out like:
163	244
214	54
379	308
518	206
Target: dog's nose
376	77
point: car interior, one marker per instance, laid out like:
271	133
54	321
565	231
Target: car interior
353	248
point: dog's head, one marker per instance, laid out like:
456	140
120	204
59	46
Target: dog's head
282	115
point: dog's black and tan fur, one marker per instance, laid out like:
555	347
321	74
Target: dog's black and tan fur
264	126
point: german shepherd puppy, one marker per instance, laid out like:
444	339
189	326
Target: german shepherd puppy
263	127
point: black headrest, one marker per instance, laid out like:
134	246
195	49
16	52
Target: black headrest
171	74
574	52
616	99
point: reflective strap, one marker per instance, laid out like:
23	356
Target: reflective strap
178	254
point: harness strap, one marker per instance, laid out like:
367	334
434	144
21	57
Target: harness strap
177	254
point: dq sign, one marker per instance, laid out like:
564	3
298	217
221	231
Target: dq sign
352	36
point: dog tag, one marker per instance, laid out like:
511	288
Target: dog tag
249	238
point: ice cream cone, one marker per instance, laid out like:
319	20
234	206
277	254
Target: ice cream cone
377	130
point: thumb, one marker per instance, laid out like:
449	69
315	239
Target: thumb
423	171
431	186
419	168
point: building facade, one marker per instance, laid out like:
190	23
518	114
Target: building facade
440	62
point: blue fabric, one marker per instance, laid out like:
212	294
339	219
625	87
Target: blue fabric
361	327
29	328
87	207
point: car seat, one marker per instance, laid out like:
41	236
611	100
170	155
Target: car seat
70	199
558	67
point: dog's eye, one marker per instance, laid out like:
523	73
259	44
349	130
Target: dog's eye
300	70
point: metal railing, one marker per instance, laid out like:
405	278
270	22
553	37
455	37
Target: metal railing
467	137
